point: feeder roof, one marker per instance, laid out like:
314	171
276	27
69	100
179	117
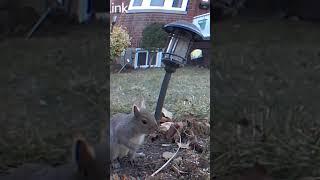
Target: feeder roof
185	25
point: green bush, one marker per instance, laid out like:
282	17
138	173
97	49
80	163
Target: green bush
119	41
153	36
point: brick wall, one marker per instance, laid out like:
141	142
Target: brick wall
136	22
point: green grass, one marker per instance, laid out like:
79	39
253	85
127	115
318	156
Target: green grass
188	90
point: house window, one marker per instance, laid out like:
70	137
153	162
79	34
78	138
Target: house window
157	3
165	6
177	3
142	60
153	58
145	58
137	2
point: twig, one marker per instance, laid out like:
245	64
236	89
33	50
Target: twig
170	158
178	171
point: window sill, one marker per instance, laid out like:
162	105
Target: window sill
166	11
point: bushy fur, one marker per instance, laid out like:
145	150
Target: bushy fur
127	131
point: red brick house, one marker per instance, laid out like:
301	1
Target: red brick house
136	18
135	15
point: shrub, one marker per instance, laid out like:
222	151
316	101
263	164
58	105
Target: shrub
153	36
119	41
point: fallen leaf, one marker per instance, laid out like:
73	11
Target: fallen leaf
164	127
166	113
167	155
180	125
164	119
200	126
171	132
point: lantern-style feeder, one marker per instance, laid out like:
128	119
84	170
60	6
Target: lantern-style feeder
182	34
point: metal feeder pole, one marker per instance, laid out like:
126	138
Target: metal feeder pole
171	64
170	68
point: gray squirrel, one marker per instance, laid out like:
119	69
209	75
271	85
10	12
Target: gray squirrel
89	162
127	132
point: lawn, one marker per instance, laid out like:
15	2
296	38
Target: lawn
188	91
188	98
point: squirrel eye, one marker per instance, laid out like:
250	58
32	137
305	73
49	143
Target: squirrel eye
144	122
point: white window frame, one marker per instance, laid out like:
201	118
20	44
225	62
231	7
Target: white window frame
140	50
136	59
166	8
158	60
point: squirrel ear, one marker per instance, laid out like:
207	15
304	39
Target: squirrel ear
140	102
143	104
136	110
83	154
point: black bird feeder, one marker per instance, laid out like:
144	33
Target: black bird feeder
182	34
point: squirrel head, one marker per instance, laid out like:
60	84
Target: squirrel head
91	162
144	119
